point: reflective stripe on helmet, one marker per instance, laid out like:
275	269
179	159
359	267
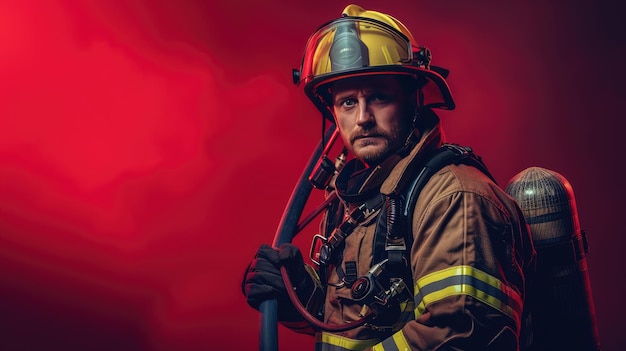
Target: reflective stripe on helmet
467	280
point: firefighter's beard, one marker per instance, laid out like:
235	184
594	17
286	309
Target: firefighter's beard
373	146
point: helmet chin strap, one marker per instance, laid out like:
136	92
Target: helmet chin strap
415	116
414	133
409	142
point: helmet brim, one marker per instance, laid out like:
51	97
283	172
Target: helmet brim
435	92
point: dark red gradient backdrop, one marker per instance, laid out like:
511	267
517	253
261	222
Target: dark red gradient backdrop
148	147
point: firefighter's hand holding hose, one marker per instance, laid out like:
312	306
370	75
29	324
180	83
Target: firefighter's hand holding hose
262	279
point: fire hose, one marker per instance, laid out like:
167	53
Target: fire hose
268	338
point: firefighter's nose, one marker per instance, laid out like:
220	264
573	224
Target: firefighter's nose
364	116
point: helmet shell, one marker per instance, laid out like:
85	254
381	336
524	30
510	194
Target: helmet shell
363	43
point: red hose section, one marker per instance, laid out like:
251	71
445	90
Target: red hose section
309	318
325	205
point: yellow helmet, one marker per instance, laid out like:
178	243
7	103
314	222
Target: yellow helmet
366	42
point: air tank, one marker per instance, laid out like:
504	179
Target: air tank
559	305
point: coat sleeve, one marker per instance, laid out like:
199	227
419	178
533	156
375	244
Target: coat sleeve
469	259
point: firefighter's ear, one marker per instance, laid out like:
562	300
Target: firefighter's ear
425	118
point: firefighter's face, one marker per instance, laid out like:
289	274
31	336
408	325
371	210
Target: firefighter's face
373	114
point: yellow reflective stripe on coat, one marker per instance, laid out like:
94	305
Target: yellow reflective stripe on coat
467	280
396	342
331	342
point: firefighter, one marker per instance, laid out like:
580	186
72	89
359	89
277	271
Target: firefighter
445	270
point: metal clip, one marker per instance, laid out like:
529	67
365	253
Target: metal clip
314	254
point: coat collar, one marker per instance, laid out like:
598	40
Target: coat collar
357	183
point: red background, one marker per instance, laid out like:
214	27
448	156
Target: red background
148	147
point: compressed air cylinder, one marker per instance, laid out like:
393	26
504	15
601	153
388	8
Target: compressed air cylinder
561	313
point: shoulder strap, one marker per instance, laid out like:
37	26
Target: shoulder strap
446	155
394	237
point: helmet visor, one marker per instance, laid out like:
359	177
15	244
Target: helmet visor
353	43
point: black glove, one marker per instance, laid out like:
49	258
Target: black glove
263	281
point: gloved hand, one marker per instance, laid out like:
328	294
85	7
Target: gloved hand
263	281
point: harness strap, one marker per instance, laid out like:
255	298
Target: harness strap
330	254
394	237
350	275
446	155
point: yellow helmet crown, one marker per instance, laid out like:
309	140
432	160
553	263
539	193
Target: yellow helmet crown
363	42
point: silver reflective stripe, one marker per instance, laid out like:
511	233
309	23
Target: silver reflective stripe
389	345
396	342
467	280
331	342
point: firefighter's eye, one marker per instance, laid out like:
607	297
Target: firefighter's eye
348	103
379	98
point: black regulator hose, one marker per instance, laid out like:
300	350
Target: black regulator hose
310	318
